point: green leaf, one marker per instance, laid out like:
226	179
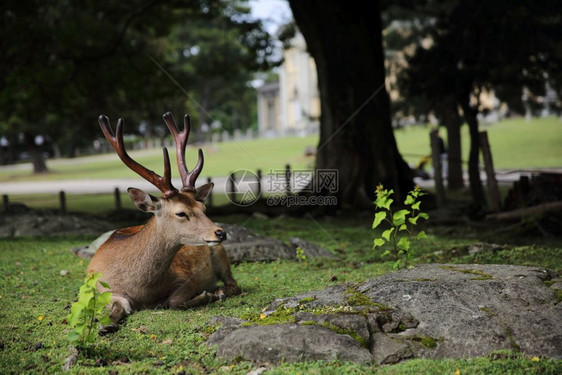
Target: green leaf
379	217
416	206
383	199
403	243
104	284
104	320
396	264
399	217
89	307
75	311
423	215
73	335
421	235
387	203
386	234
385	254
79	329
409	200
92	280
403	227
414	220
378	242
104	299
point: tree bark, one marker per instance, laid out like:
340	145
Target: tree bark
450	118
475	182
35	155
356	135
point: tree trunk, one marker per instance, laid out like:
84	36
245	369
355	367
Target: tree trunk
356	135
35	155
451	119
474	153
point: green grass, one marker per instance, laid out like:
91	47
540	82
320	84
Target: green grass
87	203
515	143
34	301
220	160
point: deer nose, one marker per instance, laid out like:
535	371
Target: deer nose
221	234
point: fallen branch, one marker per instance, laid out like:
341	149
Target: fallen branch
519	213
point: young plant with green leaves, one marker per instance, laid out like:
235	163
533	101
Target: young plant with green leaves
301	256
401	224
87	314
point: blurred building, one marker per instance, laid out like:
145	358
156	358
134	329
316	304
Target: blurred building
292	105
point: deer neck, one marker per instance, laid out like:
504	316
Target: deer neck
152	258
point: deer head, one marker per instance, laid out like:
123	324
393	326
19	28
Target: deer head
179	215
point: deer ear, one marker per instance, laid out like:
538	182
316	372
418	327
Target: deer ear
144	201
202	192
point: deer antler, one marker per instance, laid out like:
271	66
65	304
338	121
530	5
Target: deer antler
180	138
164	184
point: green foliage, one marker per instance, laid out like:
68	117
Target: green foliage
401	223
87	314
301	257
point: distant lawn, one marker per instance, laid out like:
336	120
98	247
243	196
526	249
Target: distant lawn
88	203
220	160
516	143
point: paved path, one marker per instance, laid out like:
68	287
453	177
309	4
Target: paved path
221	185
87	186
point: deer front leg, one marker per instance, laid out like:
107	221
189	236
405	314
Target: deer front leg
203	299
183	297
180	299
230	289
224	273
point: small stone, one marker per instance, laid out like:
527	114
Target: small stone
64	272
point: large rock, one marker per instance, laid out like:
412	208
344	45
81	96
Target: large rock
48	223
244	245
430	311
291	343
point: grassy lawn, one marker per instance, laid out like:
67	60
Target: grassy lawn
220	160
34	301
35	298
516	143
87	203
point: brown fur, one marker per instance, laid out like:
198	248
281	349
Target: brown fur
166	261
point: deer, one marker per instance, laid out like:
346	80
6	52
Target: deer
174	260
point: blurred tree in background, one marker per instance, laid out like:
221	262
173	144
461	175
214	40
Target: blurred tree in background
356	135
65	63
455	51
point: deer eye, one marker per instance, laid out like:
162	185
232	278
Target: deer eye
182	214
